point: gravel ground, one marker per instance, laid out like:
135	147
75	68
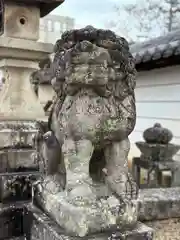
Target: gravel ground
166	229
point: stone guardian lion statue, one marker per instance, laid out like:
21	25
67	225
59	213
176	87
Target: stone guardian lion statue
94	112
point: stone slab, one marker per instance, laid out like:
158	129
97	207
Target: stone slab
9	138
44	228
13	132
17	186
159	203
12	160
24	49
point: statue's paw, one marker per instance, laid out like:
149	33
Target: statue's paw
128	214
52	185
81	194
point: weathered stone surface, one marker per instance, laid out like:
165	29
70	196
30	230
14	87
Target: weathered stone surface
27	50
93	113
11	221
82	218
17	99
157	158
17	134
17	160
157	134
161	203
16	186
10	138
157	152
21	21
19	58
44	228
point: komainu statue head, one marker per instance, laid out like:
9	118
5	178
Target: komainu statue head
93	75
96	64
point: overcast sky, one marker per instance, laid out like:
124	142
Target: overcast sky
89	12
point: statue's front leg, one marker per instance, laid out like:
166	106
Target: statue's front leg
77	155
116	166
117	178
52	165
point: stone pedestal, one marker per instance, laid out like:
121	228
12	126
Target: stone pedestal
90	217
158	204
44	228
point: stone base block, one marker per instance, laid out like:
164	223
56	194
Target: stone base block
84	215
11	221
16	186
12	160
44	228
159	203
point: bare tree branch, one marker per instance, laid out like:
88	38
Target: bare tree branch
148	18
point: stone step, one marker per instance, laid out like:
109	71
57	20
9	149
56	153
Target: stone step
159	203
15	159
43	228
17	186
8	138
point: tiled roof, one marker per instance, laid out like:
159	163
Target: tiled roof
157	48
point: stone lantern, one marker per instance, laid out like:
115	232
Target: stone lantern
20	54
156	158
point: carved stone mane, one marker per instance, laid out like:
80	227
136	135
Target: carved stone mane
98	59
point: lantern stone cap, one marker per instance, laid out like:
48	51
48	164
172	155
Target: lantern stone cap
157	134
24	49
46	6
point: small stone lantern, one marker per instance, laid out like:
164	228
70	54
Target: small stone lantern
156	158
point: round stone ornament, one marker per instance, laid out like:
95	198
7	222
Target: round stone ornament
157	135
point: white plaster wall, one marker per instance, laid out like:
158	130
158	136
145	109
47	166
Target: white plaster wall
52	26
45	94
1	83
157	100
